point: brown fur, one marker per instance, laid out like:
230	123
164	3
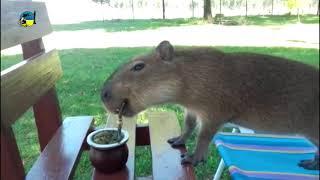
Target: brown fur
257	91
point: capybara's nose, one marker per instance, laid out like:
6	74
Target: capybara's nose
106	93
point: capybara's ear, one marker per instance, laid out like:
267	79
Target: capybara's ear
165	51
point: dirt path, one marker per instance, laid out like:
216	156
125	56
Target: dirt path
299	35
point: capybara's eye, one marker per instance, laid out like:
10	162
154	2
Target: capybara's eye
138	67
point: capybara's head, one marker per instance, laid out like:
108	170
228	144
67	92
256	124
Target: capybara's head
144	81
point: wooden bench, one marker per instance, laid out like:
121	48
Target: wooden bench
218	18
31	83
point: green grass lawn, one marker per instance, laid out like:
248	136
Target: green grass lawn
269	20
84	73
142	24
127	24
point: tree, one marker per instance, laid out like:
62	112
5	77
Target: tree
272	7
291	4
220	11
246	8
132	9
296	4
101	3
192	7
318	7
219	16
163	10
207	15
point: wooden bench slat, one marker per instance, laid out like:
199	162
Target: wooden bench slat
58	159
24	83
166	161
129	124
12	33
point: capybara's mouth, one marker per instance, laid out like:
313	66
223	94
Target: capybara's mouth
124	109
120	110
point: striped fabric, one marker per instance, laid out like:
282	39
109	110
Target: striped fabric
261	156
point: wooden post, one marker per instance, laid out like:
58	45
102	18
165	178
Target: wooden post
46	110
11	163
32	48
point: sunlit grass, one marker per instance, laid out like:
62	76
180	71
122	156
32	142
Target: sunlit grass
127	25
269	20
143	24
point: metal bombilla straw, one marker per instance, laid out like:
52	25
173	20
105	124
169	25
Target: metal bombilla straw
107	120
120	120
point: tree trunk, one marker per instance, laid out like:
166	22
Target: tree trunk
318	7
132	8
220	12
298	15
220	7
272	7
207	15
192	5
246	8
101	3
163	10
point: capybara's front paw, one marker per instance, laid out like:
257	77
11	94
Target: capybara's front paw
172	140
186	159
191	159
312	164
176	141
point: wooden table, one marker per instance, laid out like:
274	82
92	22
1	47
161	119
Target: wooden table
165	159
